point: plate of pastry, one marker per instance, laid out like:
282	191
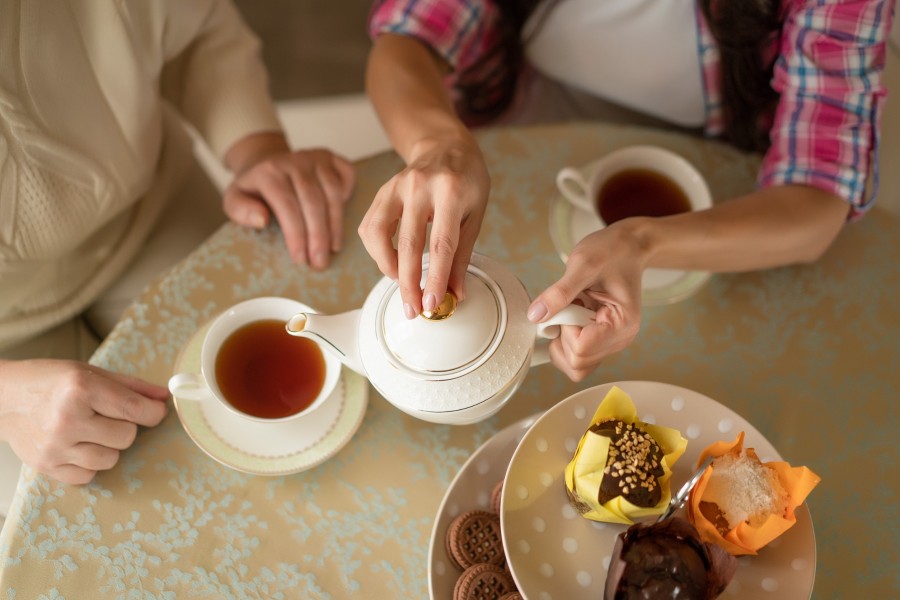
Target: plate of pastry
603	464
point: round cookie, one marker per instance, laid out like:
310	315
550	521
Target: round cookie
512	596
483	580
474	537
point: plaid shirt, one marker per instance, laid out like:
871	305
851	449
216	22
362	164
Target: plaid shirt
830	57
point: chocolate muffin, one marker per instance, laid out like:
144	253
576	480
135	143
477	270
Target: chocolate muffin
667	560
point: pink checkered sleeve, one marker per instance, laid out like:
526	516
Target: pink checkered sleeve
825	129
459	31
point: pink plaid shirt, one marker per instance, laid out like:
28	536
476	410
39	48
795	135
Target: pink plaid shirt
831	55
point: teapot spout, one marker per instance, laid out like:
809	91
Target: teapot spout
334	333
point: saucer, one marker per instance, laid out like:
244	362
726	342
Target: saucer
569	225
271	448
553	552
470	489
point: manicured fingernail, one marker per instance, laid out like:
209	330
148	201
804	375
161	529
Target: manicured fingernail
408	311
537	312
429	302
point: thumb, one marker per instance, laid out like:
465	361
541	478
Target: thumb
575	280
244	209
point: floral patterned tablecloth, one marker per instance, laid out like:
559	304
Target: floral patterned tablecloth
808	354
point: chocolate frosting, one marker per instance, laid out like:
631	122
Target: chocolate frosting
667	560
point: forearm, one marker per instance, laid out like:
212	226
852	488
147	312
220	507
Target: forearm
405	82
768	228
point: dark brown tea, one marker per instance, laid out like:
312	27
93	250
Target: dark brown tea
640	192
265	372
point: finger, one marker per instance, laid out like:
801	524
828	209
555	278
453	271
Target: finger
117	402
93	457
561	361
282	199
410	247
336	196
144	388
467	236
71	474
443	244
377	229
245	209
112	433
313	205
579	275
346	173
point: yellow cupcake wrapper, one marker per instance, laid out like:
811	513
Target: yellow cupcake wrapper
798	482
584	472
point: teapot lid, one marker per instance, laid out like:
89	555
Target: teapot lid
451	342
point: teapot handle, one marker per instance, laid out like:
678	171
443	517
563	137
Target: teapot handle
549	330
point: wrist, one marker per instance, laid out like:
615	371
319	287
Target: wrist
253	149
639	236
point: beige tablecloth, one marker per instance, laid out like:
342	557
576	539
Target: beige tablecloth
808	354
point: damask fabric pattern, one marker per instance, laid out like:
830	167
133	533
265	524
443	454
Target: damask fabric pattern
169	522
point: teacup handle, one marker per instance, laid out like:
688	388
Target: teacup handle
575	188
550	329
189	386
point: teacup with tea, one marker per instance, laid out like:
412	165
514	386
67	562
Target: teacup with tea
634	181
253	368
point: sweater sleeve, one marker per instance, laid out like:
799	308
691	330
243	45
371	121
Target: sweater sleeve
826	126
218	81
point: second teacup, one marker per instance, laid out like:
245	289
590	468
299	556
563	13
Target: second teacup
252	367
635	181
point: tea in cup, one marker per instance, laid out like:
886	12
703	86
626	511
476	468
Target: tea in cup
635	181
252	367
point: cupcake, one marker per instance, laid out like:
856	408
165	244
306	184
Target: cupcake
742	503
622	466
667	560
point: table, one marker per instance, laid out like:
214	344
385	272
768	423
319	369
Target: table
808	354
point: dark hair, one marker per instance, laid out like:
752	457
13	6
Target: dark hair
742	29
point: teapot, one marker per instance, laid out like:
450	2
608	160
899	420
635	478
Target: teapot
458	364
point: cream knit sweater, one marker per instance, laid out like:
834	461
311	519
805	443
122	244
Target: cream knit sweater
91	142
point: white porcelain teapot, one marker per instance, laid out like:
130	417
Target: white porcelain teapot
458	365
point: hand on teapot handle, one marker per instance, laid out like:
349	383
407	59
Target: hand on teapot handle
606	279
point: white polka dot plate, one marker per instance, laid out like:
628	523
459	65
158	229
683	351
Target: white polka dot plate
470	489
555	554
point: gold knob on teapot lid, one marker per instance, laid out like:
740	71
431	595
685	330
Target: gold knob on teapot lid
443	310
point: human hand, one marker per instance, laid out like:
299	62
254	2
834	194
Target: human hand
603	273
306	190
69	420
446	183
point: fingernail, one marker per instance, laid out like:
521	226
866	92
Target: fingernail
408	311
429	302
320	259
257	221
537	312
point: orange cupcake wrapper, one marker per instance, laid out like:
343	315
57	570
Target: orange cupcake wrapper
798	482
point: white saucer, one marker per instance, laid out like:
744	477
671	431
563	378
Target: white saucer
554	553
470	489
271	448
569	225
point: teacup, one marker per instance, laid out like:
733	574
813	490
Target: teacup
635	181
253	368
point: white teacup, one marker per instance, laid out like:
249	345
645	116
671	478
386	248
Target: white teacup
266	378
659	167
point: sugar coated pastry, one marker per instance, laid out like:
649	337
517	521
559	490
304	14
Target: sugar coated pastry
667	560
742	503
482	582
474	537
622	466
